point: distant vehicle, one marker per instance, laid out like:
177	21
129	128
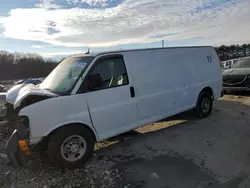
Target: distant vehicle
238	76
91	97
229	63
18	82
10	115
2	88
34	81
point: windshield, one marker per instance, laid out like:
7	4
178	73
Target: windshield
66	74
242	63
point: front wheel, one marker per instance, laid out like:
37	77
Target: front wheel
204	105
71	146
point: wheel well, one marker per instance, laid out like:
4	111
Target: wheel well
208	90
44	142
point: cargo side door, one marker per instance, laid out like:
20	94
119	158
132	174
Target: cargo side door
112	104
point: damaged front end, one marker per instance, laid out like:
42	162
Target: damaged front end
7	113
3	112
17	146
3	109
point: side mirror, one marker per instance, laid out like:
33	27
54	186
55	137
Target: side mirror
230	66
95	81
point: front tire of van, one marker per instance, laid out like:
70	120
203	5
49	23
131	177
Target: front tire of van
71	147
204	105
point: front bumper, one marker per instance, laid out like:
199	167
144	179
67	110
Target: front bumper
14	149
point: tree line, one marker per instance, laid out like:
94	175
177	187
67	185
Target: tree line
233	51
24	65
30	65
21	58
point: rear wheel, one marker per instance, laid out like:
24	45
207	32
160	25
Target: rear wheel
204	105
71	147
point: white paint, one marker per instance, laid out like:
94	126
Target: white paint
13	93
52	113
112	110
229	63
29	90
167	81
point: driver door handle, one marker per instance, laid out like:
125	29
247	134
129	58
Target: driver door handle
132	92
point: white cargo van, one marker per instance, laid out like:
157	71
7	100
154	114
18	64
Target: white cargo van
91	97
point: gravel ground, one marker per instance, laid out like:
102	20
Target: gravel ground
178	152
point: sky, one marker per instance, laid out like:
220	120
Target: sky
56	28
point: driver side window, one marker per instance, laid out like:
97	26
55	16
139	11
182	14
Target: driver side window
111	73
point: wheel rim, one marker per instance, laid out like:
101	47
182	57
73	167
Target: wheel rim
73	148
205	105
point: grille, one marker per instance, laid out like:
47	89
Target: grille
234	79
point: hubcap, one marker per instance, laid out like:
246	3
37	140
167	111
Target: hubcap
205	105
73	148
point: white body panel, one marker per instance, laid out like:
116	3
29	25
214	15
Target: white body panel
166	81
13	93
31	90
171	80
17	93
47	115
115	111
229	63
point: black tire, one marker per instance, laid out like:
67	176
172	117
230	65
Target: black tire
57	139
200	110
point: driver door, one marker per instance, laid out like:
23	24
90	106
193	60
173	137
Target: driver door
112	105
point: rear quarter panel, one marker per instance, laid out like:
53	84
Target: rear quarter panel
170	79
205	67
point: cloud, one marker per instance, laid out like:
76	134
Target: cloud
47	4
59	55
101	3
145	21
37	46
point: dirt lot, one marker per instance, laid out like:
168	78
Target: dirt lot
180	152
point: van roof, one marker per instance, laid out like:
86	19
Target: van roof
94	54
